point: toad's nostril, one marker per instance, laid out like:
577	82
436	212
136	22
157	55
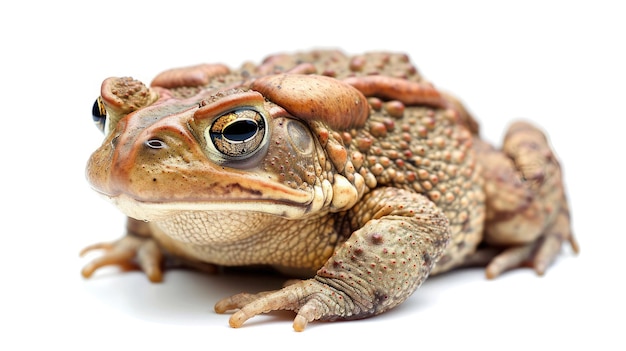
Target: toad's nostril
155	144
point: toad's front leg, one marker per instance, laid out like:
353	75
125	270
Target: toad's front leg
400	236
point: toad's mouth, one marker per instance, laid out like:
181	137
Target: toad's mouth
159	210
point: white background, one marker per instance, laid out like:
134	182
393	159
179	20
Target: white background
559	64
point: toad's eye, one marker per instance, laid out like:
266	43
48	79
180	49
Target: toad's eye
237	134
99	113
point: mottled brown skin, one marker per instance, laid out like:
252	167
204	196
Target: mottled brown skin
353	173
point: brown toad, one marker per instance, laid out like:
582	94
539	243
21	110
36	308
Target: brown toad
353	173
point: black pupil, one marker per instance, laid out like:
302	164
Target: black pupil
240	130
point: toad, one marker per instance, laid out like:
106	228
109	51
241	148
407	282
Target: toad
353	174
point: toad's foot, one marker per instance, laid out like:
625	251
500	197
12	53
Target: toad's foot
311	299
527	210
537	255
129	252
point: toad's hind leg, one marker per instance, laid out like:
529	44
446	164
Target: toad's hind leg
527	218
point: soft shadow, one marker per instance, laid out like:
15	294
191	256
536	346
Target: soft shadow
184	297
